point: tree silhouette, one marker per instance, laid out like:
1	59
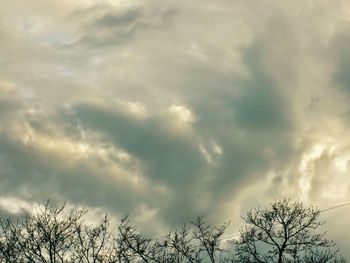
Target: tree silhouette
286	232
194	243
93	244
47	236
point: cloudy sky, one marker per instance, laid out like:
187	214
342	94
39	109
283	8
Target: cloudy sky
169	109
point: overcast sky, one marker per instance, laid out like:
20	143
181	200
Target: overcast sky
169	109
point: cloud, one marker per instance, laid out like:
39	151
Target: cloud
172	109
342	56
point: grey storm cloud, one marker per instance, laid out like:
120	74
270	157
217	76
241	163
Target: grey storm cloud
342	70
170	109
103	27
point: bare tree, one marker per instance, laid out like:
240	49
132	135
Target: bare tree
46	237
132	246
9	250
183	246
286	232
93	244
194	243
209	238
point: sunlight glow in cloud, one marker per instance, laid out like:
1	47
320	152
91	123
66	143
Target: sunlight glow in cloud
181	113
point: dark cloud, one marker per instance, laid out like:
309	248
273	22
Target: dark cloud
159	148
260	104
166	157
342	76
39	175
6	107
118	20
109	27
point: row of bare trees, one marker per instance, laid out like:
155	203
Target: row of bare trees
285	232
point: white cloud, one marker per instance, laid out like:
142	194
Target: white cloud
15	205
181	113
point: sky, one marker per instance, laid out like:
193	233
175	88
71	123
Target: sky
165	110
